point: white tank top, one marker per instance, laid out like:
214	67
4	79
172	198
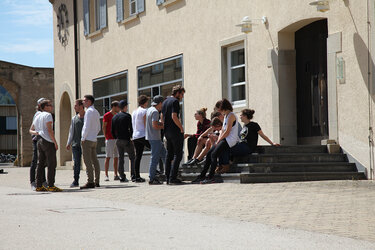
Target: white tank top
232	138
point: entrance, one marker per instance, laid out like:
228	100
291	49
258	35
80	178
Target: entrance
311	76
65	119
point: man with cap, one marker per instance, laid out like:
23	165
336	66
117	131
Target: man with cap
35	139
122	131
153	135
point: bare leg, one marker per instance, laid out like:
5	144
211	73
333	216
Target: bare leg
106	165
115	165
205	150
198	149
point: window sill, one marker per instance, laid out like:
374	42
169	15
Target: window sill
169	2
95	33
129	19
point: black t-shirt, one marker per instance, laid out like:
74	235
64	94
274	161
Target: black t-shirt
170	105
249	134
121	127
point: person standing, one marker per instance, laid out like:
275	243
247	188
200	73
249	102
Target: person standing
139	133
122	130
47	147
110	142
34	161
174	133
153	135
90	130
74	139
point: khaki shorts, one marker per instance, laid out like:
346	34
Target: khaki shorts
111	149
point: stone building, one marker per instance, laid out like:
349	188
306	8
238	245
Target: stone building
23	86
307	73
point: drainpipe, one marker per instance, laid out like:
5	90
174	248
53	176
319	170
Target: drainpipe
76	66
369	81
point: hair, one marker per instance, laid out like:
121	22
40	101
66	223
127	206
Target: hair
217	105
215	114
114	104
249	113
37	108
80	102
177	90
216	122
44	103
142	99
226	105
90	97
202	112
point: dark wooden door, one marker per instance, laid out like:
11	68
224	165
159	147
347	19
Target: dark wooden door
311	70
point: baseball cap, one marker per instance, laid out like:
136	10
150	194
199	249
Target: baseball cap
157	99
123	103
41	100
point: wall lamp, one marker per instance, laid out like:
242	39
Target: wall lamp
321	5
247	24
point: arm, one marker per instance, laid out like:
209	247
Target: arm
86	125
104	128
224	134
157	125
177	122
260	132
32	130
51	134
130	128
144	120
70	137
205	133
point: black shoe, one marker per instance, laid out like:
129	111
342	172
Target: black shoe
158	172
139	179
192	163
123	179
188	162
74	184
97	185
202	162
212	180
88	185
155	182
176	182
198	180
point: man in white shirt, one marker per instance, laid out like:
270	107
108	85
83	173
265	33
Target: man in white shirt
90	130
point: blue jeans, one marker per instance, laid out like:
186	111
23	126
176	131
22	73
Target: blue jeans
240	149
77	154
157	152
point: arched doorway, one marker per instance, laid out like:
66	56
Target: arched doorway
64	119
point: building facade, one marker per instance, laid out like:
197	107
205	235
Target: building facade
307	74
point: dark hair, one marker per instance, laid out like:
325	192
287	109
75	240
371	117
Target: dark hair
114	104
142	99
177	89
202	112
216	122
44	103
215	114
226	105
37	108
248	113
80	102
90	98
218	104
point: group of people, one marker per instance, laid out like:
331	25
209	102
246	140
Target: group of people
212	145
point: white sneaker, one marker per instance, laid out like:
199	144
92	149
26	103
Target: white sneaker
33	186
106	178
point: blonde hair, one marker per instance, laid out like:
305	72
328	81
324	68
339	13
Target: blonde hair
202	112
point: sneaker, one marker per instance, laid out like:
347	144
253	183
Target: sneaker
106	178
44	184
33	186
74	184
202	162
88	185
116	178
97	185
176	182
211	181
155	182
41	189
188	162
124	179
54	189
193	162
198	180
139	179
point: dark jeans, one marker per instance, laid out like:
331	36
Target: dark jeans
77	155
175	145
139	145
240	149
192	144
220	150
47	156
34	162
128	147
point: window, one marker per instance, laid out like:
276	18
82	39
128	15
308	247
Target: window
11	123
160	77
94	15
236	75
106	90
129	8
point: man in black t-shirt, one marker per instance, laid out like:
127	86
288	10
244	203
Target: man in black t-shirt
174	133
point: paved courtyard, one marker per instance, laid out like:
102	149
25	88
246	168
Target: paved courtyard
330	214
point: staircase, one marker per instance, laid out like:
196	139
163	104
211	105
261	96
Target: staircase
286	164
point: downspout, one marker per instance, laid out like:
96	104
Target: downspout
76	66
369	81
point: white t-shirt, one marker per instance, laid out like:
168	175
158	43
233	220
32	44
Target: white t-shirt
40	125
139	130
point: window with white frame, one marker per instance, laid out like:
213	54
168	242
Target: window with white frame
106	90
236	75
129	8
94	15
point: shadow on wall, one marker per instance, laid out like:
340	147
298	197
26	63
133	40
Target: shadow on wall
176	6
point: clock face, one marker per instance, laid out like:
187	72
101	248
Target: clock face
62	24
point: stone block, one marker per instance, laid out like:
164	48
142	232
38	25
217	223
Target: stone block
333	148
328	141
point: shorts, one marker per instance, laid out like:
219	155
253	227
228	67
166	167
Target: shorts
111	149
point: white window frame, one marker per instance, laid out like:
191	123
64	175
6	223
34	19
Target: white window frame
240	103
135	7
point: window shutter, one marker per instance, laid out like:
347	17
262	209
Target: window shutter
140	6
86	17
120	10
159	2
103	14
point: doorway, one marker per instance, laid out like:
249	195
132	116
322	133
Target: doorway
65	119
311	82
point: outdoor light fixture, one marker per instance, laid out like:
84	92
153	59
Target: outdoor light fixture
247	24
321	5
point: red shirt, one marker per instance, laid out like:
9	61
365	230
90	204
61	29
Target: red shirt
108	119
202	127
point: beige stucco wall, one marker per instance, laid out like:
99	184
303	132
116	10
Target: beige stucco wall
199	30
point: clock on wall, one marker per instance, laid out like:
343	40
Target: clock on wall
62	24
